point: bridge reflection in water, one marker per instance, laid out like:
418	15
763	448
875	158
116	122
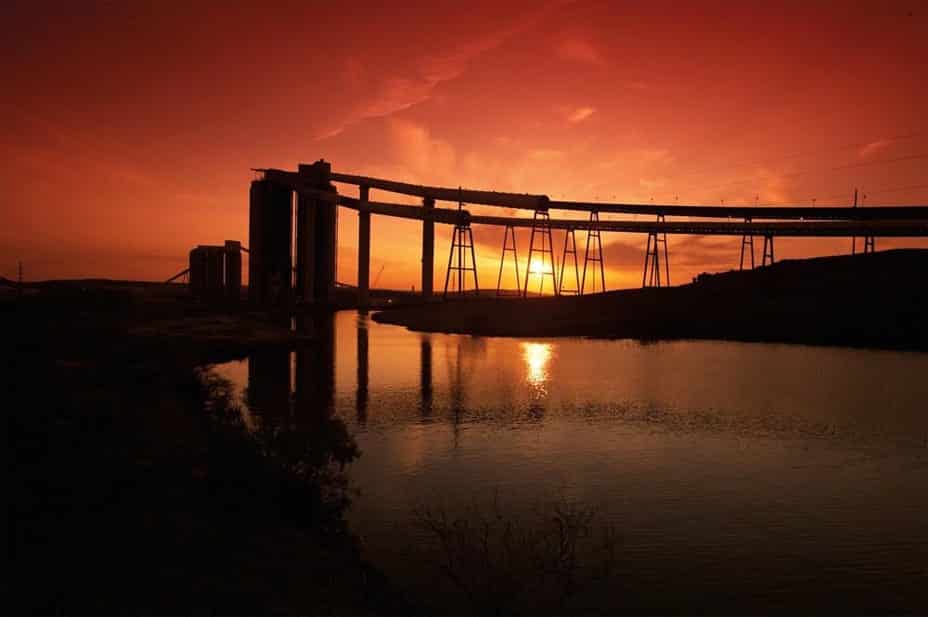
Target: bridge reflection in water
371	373
718	462
289	385
294	386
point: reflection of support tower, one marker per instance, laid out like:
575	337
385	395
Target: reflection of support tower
747	240
456	392
315	368
425	375
541	224
509	230
768	250
462	243
652	266
268	394
361	396
593	233
570	248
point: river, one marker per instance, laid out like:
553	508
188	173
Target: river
735	477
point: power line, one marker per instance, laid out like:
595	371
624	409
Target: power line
806	172
912	157
812	152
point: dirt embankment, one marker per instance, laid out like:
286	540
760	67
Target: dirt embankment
878	300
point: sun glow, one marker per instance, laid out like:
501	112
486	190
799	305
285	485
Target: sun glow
539	266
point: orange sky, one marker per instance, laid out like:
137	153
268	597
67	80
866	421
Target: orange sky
128	129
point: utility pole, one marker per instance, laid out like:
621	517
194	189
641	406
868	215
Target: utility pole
854	238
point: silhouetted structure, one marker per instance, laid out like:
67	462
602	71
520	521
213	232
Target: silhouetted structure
277	279
508	231
273	278
652	259
541	226
462	260
570	248
215	272
594	238
747	241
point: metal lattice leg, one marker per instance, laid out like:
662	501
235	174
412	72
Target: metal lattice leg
570	248
768	250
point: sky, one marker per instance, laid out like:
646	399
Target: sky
128	130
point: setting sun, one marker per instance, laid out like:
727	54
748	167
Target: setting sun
539	267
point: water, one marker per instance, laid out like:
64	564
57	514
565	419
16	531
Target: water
737	476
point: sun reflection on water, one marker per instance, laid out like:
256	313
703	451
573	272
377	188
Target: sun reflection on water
537	356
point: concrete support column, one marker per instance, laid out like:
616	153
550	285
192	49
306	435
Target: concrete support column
269	238
306	247
428	249
197	273
233	282
364	248
326	245
278	233
257	276
215	271
317	235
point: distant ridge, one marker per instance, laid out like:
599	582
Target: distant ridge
873	300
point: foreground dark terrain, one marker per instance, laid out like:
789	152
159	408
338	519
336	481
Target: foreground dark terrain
875	300
134	487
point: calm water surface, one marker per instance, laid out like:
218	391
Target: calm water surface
737	475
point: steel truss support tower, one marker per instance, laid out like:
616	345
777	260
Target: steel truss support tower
541	224
462	243
507	232
570	248
652	265
869	241
747	240
591	235
768	250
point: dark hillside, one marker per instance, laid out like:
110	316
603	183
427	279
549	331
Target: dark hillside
875	300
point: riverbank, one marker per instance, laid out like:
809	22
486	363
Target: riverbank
877	300
136	488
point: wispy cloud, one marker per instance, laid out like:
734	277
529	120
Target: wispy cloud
873	147
580	114
388	94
